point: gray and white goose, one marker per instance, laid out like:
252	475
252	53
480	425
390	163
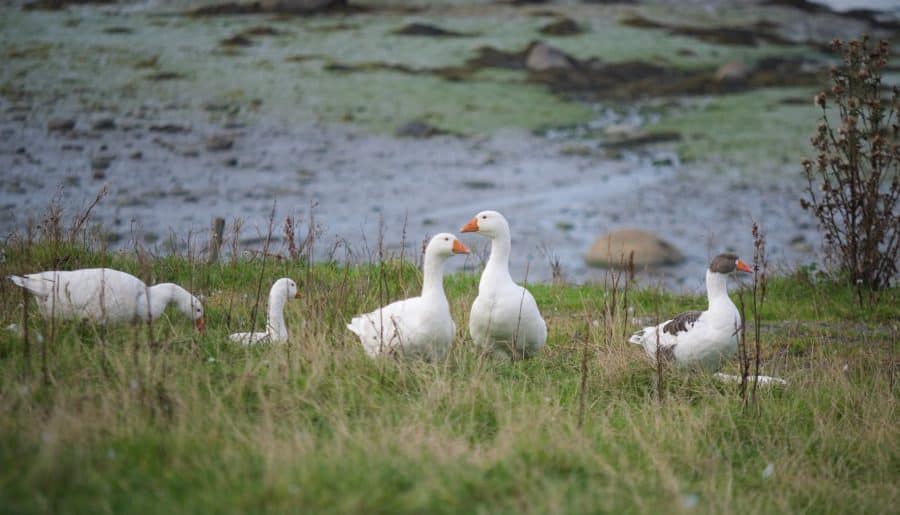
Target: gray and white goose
700	338
703	339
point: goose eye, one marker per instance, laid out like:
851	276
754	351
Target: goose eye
484	217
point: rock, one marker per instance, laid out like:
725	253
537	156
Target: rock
105	123
101	161
424	29
418	129
540	56
479	185
613	249
304	6
170	128
236	40
562	27
136	155
219	142
643	138
60	124
733	71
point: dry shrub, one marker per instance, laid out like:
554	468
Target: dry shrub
853	185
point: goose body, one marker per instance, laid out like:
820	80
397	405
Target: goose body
105	295
505	320
417	327
700	338
276	331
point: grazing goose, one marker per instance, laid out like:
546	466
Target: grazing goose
105	295
276	331
505	320
419	326
702	338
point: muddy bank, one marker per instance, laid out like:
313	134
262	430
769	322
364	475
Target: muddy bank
171	183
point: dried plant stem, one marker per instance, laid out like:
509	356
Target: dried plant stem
582	389
660	392
26	346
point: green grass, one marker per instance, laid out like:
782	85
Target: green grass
195	424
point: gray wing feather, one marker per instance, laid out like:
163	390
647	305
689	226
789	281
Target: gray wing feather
682	322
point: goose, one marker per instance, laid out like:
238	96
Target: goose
417	327
700	338
276	331
105	295
504	320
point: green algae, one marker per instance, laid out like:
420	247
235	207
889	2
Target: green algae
759	131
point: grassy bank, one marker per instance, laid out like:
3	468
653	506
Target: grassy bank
156	420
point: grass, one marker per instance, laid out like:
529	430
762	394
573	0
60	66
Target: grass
195	424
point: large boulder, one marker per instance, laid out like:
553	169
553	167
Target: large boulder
612	250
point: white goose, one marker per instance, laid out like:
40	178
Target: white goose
105	295
505	319
703	338
419	327
276	330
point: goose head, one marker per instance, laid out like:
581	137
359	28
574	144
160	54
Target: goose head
193	308
445	245
728	263
487	223
285	288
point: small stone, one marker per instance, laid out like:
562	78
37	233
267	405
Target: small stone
562	27
418	129
231	161
170	128
104	124
60	124
136	155
733	71
540	57
219	142
101	161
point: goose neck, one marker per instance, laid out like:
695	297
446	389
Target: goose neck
716	287
433	276
497	267
275	315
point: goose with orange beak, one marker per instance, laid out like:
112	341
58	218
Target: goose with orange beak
700	338
504	321
418	327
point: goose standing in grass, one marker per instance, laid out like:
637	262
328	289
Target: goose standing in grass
105	295
276	331
505	319
705	339
700	338
419	327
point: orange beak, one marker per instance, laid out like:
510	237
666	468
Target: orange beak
744	267
472	226
459	248
199	325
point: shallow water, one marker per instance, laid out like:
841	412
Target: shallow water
560	189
